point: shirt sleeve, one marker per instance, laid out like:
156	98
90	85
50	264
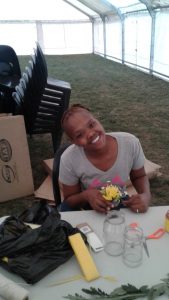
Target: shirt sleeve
67	174
138	155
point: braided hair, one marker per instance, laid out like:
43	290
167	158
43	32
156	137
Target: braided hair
70	111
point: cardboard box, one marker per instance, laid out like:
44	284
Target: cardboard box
45	191
152	169
15	168
48	165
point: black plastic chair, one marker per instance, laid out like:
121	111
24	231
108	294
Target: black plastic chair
55	172
9	57
10	74
42	70
41	105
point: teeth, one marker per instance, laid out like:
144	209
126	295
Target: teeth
95	140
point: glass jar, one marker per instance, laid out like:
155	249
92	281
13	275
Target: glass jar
133	246
113	232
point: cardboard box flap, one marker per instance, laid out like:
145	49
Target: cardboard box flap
48	165
45	191
152	169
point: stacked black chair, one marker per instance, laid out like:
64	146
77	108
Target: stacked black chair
40	100
55	173
10	74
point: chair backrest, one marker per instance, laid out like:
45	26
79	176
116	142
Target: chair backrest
55	172
10	74
5	69
9	61
40	61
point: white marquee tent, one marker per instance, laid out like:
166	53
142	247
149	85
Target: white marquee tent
132	32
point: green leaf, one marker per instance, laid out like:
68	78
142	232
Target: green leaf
144	289
166	279
126	292
130	288
118	292
94	291
75	297
156	290
167	291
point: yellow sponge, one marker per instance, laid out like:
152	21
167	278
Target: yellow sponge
83	256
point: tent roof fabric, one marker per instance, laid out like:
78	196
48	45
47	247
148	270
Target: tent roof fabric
107	7
74	9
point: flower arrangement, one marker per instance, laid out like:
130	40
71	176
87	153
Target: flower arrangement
114	193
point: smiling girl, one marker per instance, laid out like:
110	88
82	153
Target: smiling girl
95	158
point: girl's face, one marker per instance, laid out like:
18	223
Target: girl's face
85	131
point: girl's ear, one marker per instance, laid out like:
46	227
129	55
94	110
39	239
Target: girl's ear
69	139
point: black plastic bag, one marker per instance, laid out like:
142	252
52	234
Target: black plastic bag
33	253
38	212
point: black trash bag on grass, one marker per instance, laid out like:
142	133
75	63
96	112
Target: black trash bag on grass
33	253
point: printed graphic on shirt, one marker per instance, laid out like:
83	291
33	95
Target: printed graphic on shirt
99	184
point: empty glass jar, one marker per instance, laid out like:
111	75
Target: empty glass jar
113	233
133	246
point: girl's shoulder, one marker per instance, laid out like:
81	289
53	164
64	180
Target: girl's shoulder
122	135
71	152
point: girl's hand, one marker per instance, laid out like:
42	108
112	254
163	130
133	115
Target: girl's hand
137	203
96	201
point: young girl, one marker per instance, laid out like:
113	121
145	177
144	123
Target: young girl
96	157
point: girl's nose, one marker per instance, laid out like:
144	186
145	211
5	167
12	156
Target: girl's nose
90	133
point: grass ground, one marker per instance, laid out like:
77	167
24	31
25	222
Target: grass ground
124	99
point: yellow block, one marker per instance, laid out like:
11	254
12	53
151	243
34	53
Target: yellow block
166	225
83	256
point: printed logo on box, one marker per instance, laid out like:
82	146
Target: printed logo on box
5	150
8	173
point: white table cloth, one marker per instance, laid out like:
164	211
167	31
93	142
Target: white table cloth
150	272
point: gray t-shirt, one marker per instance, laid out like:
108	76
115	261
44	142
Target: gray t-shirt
76	168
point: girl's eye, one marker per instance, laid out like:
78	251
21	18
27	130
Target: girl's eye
78	136
92	124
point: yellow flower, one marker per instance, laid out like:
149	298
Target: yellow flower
111	192
5	259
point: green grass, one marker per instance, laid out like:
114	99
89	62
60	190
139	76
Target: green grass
123	99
